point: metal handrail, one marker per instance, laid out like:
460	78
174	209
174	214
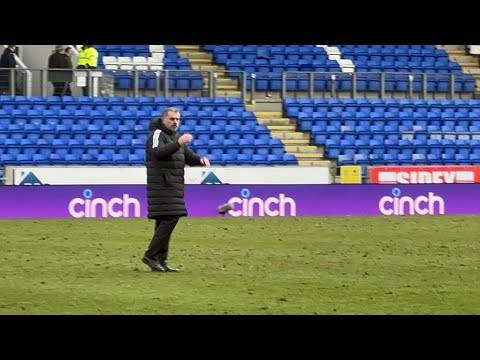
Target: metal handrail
211	79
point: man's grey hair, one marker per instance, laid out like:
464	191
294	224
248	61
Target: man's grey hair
170	109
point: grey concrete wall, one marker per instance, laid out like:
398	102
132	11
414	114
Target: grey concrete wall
36	57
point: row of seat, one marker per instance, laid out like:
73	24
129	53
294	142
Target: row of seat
55	158
127	47
261	60
371	103
138	111
192	109
383	46
276	59
395	55
384	125
242	138
392	139
430	104
42	138
362	50
136	159
114	118
124	110
85	100
391	142
292	63
270	82
446	152
144	58
386	116
397	50
400	155
406	107
61	132
92	147
263	49
152	81
387	128
131	50
366	132
395	136
118	126
299	47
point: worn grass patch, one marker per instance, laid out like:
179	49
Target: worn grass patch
334	265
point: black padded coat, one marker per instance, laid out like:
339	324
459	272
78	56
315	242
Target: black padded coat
165	161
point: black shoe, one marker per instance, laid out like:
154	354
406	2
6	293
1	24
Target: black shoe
168	268
154	265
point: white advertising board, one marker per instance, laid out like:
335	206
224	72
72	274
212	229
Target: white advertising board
104	175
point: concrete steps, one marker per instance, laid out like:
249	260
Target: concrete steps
226	86
282	128
269	113
295	142
473	71
207	67
187	47
279	121
200	62
272	114
326	163
197	55
228	93
294	136
227	82
308	152
203	61
468	62
307	149
453	47
307	156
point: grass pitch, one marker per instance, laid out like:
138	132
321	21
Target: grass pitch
335	265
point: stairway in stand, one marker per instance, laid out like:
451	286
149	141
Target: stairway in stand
202	60
468	62
269	114
285	129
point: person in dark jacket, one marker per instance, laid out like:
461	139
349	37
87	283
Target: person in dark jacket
60	79
166	155
68	61
7	61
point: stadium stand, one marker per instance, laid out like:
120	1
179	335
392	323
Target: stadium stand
113	130
148	59
398	61
407	59
391	131
366	131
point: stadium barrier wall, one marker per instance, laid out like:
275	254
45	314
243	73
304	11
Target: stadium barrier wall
129	201
103	175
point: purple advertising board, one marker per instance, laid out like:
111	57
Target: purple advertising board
128	201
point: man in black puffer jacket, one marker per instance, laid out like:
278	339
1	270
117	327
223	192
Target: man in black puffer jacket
167	153
7	60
